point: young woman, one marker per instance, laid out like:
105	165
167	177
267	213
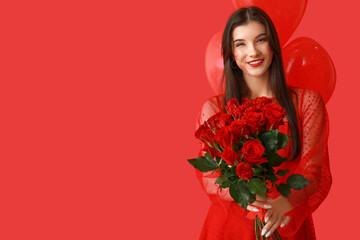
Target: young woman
253	68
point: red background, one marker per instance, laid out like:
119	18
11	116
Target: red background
98	107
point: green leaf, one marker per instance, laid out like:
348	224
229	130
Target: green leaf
270	175
221	179
229	173
276	160
282	140
269	140
257	186
257	170
240	193
297	182
233	170
284	190
204	164
282	172
235	192
226	184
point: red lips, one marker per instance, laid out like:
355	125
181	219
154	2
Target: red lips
258	64
255	60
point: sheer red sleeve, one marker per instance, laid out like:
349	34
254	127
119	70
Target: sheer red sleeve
313	162
207	179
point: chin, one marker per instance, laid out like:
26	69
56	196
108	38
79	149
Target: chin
255	74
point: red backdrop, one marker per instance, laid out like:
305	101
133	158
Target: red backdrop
98	107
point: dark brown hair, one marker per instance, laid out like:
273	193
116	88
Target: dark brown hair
235	86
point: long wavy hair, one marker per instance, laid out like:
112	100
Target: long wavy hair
235	85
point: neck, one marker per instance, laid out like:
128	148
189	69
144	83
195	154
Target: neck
259	86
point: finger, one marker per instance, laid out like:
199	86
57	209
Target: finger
256	203
273	219
261	204
285	221
274	227
260	198
252	208
268	215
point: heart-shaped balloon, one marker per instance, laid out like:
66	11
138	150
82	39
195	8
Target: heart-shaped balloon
214	62
285	14
308	65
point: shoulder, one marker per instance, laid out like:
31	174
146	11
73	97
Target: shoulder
309	101
210	107
305	93
214	102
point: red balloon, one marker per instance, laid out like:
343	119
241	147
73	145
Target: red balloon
214	62
285	14
308	65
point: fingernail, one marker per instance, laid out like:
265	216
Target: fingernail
267	206
255	209
266	219
283	224
263	232
268	234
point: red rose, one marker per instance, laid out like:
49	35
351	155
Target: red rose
252	109
274	115
239	111
260	102
239	129
212	151
253	152
201	130
232	104
220	120
212	121
205	134
223	137
255	121
230	156
225	120
244	170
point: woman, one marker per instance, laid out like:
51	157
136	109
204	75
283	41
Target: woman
253	68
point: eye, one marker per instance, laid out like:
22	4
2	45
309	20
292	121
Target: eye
262	40
239	44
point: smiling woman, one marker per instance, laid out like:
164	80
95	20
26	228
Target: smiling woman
253	68
252	52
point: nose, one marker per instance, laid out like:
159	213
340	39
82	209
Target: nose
253	51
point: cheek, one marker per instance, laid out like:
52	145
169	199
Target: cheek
268	49
235	55
243	68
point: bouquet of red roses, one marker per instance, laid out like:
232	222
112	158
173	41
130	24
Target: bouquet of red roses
241	144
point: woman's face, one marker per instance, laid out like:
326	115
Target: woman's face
251	49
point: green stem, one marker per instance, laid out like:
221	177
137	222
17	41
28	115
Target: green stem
256	228
278	235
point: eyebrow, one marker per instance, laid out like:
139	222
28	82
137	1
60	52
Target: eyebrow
261	34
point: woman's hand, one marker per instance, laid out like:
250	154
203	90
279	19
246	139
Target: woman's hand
259	202
275	215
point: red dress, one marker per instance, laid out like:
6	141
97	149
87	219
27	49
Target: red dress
226	220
